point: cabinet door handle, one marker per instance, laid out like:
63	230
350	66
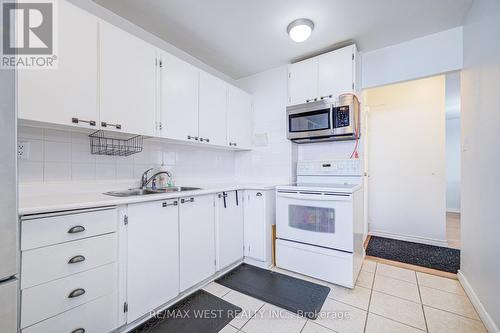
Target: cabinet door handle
258	194
165	204
105	124
77	120
207	140
76	293
187	200
196	138
326	96
79	330
189	137
76	259
76	229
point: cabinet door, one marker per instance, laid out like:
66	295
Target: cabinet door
255	224
336	72
239	118
152	256
197	240
213	105
229	228
303	81
178	98
69	91
128	82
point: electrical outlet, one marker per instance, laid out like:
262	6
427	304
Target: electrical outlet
23	150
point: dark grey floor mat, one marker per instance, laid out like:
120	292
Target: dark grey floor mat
200	312
436	257
302	297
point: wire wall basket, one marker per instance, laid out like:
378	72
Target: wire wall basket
104	145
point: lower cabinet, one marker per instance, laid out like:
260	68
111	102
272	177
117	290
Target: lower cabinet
259	216
197	239
229	226
152	256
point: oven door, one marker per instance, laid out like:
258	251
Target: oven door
310	120
315	218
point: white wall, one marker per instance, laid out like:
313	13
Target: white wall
64	156
453	161
426	56
275	159
406	161
480	222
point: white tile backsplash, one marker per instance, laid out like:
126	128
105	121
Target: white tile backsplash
60	156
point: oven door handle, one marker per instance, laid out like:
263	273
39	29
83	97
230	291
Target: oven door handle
316	197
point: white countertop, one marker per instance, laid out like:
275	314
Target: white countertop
70	200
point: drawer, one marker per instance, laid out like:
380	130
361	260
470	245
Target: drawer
38	232
53	262
52	298
97	316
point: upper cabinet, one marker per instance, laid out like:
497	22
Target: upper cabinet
67	94
110	79
128	82
303	81
178	99
239	118
212	110
329	74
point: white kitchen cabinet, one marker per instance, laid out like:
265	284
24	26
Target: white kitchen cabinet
178	98
303	81
329	74
212	110
336	72
152	256
259	216
69	91
229	228
239	118
197	239
128	82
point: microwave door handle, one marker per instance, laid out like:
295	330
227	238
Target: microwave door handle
316	197
332	125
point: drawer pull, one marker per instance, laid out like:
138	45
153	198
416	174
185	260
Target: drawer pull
76	259
79	330
76	293
76	229
259	194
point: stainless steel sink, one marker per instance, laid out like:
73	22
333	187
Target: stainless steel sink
139	191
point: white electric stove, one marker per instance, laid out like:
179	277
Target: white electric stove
320	222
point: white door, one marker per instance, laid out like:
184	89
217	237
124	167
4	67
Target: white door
178	98
229	228
69	91
152	256
239	118
316	219
197	240
128	82
336	72
303	81
255	224
406	159
212	111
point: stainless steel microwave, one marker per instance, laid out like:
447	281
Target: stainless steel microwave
329	119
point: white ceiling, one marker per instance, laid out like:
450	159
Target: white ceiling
244	37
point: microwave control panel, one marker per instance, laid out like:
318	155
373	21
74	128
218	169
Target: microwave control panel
341	116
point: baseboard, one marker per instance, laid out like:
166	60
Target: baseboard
414	239
453	210
483	314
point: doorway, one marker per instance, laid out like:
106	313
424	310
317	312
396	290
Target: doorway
413	166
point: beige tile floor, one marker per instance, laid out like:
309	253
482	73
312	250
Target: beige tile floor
386	299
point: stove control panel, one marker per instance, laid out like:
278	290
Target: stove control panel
351	167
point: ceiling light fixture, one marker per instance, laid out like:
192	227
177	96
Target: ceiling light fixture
300	29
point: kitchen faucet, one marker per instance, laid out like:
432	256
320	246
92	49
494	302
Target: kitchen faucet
145	180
